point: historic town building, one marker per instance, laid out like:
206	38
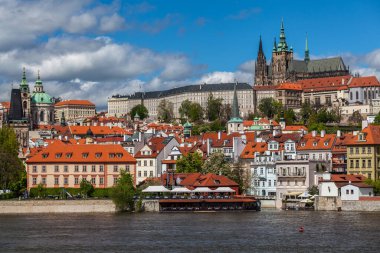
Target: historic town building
74	111
42	105
119	105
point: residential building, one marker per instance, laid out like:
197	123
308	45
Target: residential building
74	111
65	165
363	153
289	95
118	106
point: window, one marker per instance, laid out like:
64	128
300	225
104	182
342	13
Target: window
151	162
127	168
261	171
56	168
263	183
328	100
93	168
351	96
101	180
76	168
363	163
357	150
351	163
115	180
44	180
139	163
369	150
34	180
65	168
34	169
363	150
84	168
84	155
269	183
139	173
151	174
58	155
76	180
65	180
69	155
93	180
115	168
357	164
317	100
357	95
98	155
352	191
145	173
56	180
274	182
351	150
145	162
295	182
43	168
369	163
347	192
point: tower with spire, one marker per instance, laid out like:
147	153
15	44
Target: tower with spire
25	96
235	124
261	68
307	57
282	55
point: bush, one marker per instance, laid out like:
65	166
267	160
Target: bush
9	195
101	193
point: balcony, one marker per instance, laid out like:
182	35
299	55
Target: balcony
291	174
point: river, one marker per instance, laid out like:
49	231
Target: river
265	231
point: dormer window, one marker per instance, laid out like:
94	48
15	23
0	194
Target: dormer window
303	144
326	143
58	155
84	155
69	155
361	137
119	155
314	144
45	155
111	155
98	155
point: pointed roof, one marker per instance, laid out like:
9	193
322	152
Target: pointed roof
38	81
274	44
260	46
307	57
23	80
282	46
235	109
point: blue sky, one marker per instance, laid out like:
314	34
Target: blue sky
118	47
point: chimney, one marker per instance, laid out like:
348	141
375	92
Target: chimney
208	147
338	133
323	132
274	133
342	81
219	135
60	137
314	133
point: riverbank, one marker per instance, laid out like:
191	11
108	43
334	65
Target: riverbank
57	206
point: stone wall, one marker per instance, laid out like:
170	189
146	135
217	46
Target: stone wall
268	203
150	205
361	205
56	206
327	203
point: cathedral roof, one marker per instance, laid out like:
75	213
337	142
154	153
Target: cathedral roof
319	65
41	98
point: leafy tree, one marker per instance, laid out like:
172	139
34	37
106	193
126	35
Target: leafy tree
270	107
356	117
217	164
305	112
41	190
241	176
226	112
123	192
140	110
11	167
165	111
216	126
313	190
290	116
19	187
192	162
184	109
377	119
86	188
195	112
375	185
214	107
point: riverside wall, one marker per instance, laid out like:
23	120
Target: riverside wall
336	204
56	206
150	205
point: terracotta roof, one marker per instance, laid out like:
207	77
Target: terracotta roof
347	178
156	144
98	130
251	148
194	180
308	142
365	81
371	136
247	123
6	105
373	198
90	153
74	102
289	86
295	128
264	87
324	83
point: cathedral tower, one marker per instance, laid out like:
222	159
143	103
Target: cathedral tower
282	55
25	96
261	69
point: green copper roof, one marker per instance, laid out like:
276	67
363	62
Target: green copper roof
187	125
235	120
256	127
23	80
38	81
41	98
307	57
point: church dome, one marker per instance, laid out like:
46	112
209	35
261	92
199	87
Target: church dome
41	98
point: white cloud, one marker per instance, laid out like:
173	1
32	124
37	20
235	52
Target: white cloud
81	23
111	23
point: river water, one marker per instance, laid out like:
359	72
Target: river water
265	231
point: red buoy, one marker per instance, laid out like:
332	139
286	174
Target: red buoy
301	229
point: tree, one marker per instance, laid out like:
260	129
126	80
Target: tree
41	190
226	112
217	164
269	107
11	167
214	107
242	176
313	190
305	112
122	194
192	162
140	110
184	109
375	185
290	116
165	111
356	117
86	188
195	112
377	119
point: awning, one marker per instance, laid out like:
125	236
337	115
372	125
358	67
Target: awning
180	189
202	189
155	188
293	193
224	189
304	195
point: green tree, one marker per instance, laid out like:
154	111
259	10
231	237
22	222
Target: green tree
86	188
226	112
195	112
11	167
165	111
123	192
214	107
19	187
270	107
375	185
241	176
377	119
184	109
313	190
192	162
356	117
140	110
305	112
41	191
290	116
217	164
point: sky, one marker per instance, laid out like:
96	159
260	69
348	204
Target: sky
93	49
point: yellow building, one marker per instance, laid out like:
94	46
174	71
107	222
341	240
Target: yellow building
363	153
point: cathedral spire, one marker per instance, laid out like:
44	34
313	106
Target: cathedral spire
38	81
307	57
274	45
23	79
260	46
282	44
235	105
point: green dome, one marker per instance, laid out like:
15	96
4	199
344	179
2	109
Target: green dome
187	125
41	98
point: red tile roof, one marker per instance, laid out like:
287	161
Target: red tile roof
365	81
308	142
98	130
6	105
371	136
347	178
289	86
194	180
324	83
251	148
74	102
295	128
264	87
90	153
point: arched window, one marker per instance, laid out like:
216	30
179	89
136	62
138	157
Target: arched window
25	107
357	95
365	94
42	116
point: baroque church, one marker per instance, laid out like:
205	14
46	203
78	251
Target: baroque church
284	68
29	110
